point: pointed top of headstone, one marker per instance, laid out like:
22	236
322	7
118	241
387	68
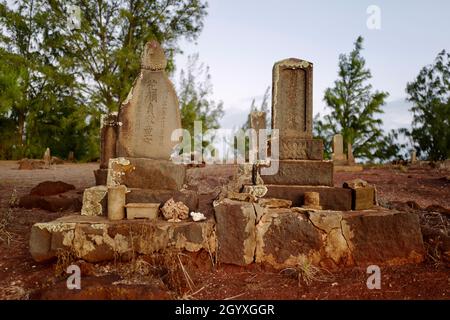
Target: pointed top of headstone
153	57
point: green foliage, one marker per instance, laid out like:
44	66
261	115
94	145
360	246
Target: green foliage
194	94
57	78
106	48
354	108
430	95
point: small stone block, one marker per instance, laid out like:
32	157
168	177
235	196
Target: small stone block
363	198
142	210
301	172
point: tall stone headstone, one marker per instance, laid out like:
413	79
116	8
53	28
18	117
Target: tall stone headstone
108	136
350	157
47	157
258	120
71	156
413	156
151	112
300	156
292	111
338	149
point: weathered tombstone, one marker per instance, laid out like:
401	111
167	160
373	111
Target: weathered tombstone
116	202
150	113
71	157
413	156
350	157
257	122
108	136
292	110
300	155
47	157
145	124
338	149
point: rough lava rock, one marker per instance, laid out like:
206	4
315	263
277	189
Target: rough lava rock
175	211
50	188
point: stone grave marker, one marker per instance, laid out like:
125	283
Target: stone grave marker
301	156
258	122
350	157
150	113
292	110
338	149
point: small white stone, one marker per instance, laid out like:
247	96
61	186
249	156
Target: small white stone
198	216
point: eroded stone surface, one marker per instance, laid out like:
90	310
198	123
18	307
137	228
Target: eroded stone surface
363	194
274	203
95	201
108	137
258	191
383	236
97	239
285	238
146	173
188	197
175	211
335	239
292	98
151	112
236	233
302	172
331	198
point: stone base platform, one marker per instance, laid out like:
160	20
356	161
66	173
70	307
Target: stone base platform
146	173
95	199
244	233
149	174
331	198
347	168
96	239
287	237
301	172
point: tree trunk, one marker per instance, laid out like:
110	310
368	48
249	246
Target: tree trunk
21	128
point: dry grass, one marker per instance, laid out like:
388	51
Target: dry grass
64	258
166	266
306	273
435	229
6	218
170	268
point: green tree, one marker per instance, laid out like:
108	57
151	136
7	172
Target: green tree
107	44
57	78
194	93
354	107
430	95
42	100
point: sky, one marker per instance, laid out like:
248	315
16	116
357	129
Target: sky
241	41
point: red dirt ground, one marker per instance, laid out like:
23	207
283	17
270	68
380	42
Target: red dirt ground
22	278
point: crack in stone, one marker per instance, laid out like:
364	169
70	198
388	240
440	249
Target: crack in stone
256	231
324	231
346	241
